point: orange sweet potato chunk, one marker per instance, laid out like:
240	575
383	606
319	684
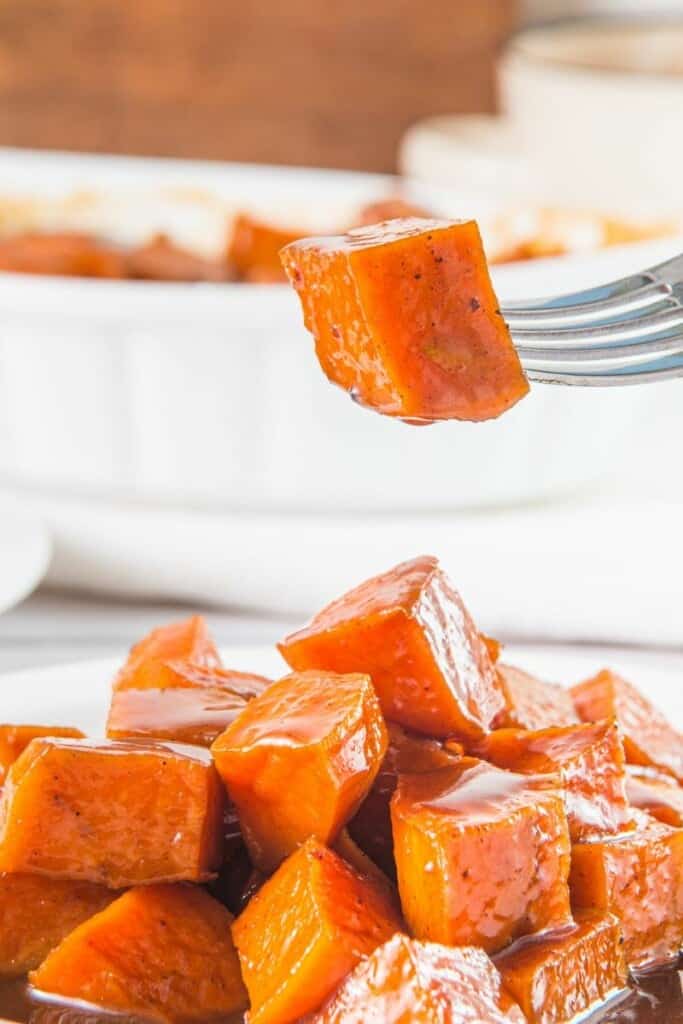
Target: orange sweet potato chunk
648	737
638	877
163	951
590	761
560	975
254	249
114	813
531	703
405	318
151	662
411	631
197	708
305	929
300	758
36	913
482	855
15	738
423	982
661	799
371	825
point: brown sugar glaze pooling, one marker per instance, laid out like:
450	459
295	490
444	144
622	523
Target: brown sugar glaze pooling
657	999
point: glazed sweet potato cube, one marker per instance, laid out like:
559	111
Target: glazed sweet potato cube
405	318
118	814
560	976
482	855
638	877
531	703
371	825
661	799
254	249
162	951
36	913
151	662
411	631
648	737
300	758
423	982
197	708
305	929
590	761
15	738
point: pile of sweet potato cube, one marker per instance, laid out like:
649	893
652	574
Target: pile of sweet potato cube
403	828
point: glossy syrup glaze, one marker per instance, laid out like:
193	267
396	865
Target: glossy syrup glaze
657	998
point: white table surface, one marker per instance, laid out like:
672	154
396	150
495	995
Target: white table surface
50	627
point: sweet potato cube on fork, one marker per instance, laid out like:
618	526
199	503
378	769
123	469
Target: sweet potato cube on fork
300	758
590	761
305	929
409	629
117	814
162	952
638	877
648	738
152	662
434	984
36	913
482	855
559	976
198	706
405	318
531	703
14	739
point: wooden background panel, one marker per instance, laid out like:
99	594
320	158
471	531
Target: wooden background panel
298	82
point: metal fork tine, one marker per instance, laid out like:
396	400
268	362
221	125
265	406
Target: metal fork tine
660	325
660	284
663	372
608	355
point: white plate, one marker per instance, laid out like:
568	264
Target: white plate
24	551
78	694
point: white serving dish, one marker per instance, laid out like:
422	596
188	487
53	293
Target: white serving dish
210	396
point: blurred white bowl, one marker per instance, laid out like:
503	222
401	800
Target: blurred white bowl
210	395
597	103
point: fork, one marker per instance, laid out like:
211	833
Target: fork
629	331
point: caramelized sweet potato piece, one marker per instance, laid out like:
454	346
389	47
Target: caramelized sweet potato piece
531	703
661	799
15	738
422	982
163	952
371	826
305	929
68	254
648	737
482	855
118	814
151	662
36	913
392	208
405	318
590	761
560	975
196	708
299	760
411	631
254	249
161	259
639	878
